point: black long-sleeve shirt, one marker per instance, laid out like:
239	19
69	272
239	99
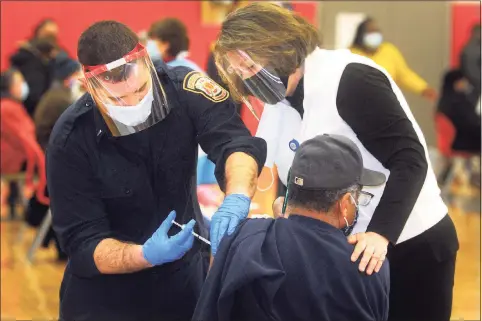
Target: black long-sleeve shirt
367	103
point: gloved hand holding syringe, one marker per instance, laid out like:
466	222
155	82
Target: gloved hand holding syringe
193	233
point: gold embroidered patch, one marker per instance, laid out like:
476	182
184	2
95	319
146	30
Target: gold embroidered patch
199	83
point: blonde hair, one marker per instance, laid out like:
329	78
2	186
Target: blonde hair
266	32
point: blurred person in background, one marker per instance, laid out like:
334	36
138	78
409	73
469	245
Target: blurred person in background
169	42
369	42
17	131
456	105
65	90
35	59
470	63
47	28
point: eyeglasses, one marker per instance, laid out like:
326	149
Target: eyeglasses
364	198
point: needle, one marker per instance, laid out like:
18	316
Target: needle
195	234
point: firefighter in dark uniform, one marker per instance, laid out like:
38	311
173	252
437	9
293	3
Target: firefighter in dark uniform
121	168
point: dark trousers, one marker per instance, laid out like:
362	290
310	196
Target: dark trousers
422	273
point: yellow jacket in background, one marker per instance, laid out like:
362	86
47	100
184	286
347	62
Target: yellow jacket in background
390	58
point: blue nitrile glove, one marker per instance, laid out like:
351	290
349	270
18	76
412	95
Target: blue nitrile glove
234	209
161	248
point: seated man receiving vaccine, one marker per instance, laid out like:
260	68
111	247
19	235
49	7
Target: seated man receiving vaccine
299	268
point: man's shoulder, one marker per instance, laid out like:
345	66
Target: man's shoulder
250	231
256	224
73	122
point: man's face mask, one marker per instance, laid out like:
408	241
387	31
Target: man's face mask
132	115
349	227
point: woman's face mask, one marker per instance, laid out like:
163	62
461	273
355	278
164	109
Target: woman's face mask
373	40
132	115
266	87
349	227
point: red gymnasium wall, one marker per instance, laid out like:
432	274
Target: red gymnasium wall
464	16
19	17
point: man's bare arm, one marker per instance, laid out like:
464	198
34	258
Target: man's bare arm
114	257
241	174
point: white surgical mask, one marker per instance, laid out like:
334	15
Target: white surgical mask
132	115
25	91
373	40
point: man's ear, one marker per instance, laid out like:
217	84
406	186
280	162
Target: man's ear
345	202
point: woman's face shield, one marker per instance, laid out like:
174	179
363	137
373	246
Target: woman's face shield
250	77
128	92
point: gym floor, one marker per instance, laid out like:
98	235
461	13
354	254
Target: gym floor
31	291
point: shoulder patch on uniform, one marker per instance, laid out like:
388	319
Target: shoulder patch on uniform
199	83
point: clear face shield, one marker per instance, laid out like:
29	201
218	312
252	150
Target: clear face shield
251	77
128	92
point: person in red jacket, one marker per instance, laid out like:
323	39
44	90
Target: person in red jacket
18	145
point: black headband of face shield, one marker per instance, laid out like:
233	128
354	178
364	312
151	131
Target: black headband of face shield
266	86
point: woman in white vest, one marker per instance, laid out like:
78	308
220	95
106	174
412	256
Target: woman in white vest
273	54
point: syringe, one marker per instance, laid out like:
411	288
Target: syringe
193	233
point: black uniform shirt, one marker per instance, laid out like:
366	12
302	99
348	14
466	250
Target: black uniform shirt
124	187
290	269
